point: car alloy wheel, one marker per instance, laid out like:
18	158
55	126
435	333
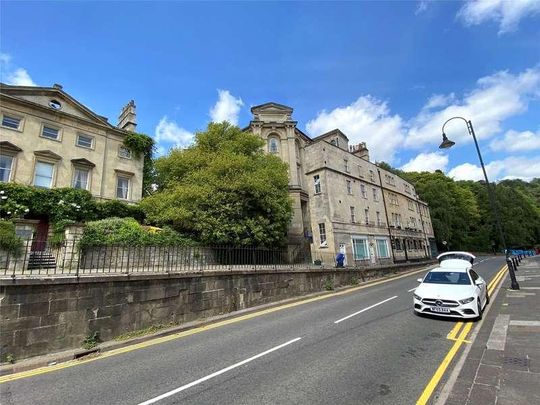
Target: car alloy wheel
479	310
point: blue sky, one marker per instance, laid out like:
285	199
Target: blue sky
386	73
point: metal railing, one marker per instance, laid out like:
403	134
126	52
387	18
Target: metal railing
41	258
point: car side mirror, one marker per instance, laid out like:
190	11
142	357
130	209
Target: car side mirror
478	282
419	280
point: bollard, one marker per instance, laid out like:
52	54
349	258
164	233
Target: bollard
511	270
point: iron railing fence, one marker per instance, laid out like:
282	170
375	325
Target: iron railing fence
37	257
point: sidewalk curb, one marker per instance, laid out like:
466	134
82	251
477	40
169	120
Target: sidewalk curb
74	354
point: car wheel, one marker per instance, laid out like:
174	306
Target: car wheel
479	311
487	298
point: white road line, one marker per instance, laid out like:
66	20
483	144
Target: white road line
412	289
208	377
366	309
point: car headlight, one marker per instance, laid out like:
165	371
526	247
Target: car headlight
467	300
417	297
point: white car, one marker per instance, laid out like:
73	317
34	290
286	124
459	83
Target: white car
453	289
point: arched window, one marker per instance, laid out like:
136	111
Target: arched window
273	145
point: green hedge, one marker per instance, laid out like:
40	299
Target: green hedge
128	232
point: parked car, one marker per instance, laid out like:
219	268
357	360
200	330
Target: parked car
453	289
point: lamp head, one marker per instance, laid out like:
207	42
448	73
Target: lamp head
446	143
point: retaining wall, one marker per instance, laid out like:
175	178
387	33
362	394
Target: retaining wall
41	316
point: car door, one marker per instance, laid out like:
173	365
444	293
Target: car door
483	287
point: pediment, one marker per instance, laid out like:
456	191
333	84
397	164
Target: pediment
53	99
6	146
272	112
83	162
47	154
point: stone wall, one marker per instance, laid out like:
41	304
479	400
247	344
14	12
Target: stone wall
40	316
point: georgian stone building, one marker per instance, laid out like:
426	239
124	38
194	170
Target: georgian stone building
48	139
341	200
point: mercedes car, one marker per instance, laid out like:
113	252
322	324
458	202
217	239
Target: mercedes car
453	289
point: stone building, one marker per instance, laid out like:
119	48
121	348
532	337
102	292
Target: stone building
48	139
341	200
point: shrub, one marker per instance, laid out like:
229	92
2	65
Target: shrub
127	232
115	208
9	241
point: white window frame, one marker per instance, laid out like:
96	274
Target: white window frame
53	173
128	194
88	170
10	172
129	154
92	141
322	234
377	241
12	116
375	194
363	191
51	126
364	242
317	183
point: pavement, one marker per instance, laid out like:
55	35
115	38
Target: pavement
502	366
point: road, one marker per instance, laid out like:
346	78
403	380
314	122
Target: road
363	346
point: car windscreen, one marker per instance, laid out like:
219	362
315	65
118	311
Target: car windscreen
447	277
458	256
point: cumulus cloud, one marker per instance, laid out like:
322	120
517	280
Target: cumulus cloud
495	99
365	120
421	7
15	76
507	13
426	162
514	141
226	108
513	167
169	132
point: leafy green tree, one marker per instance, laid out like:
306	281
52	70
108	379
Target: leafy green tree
222	190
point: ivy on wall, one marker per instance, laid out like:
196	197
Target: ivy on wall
141	144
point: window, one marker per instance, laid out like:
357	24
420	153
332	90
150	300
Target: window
398	244
346	165
124	152
85	141
317	183
378	218
375	195
80	178
50	133
363	190
122	187
273	145
349	187
322	234
6	164
353	217
393	199
334	142
407	189
474	275
43	175
55	104
360	249
382	248
11	122
372	175
360	171
411	205
366	215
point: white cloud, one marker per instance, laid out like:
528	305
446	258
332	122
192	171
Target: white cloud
507	13
169	132
513	167
426	162
421	7
12	75
495	99
365	120
514	141
226	108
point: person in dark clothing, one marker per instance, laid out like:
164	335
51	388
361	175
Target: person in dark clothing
340	259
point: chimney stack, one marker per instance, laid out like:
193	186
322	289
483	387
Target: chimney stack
360	150
128	118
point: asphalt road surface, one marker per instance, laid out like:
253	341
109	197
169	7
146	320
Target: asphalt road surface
364	346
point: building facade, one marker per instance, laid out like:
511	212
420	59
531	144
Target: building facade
343	202
48	139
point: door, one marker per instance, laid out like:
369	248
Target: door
40	238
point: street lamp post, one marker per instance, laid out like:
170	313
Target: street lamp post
447	143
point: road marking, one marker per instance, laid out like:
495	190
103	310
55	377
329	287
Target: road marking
222	371
142	345
443	366
412	289
430	387
366	309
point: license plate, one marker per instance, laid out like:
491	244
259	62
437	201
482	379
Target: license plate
440	309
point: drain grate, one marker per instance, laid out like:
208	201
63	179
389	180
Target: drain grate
517	361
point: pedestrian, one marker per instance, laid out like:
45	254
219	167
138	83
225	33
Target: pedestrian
340	259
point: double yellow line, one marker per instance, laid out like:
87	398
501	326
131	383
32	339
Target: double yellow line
458	341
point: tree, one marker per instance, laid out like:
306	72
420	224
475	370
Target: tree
222	190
